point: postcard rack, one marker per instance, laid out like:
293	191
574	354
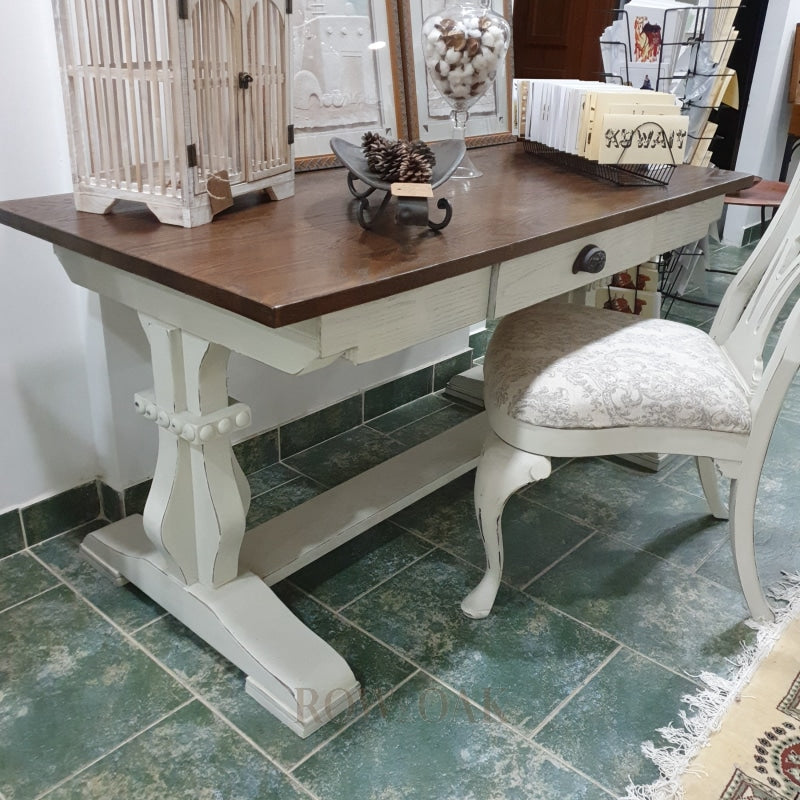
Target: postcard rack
693	67
619	174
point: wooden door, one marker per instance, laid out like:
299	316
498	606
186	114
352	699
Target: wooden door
560	38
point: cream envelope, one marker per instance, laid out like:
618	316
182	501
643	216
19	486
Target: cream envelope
642	139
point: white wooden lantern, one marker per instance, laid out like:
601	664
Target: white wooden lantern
163	94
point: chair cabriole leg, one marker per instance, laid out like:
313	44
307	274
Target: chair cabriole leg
743	503
502	470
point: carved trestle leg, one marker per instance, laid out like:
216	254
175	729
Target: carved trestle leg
184	553
502	470
195	512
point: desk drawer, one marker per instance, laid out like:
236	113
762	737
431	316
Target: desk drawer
539	276
385	326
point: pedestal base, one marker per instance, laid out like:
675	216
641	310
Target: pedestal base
290	671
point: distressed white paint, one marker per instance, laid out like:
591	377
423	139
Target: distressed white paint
243	620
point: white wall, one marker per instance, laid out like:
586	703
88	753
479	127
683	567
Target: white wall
71	361
767	118
47	441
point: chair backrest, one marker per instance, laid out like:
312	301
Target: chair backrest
754	301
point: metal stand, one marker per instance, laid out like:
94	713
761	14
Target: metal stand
410	210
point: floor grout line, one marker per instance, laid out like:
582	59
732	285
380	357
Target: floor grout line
31	597
422	670
578	689
419	670
355	719
383	581
561	558
184	683
114	749
149	623
446	404
552	608
523	734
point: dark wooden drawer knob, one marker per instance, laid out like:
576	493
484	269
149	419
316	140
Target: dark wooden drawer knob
591	259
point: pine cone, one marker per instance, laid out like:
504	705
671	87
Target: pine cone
401	160
415	168
389	166
374	147
422	149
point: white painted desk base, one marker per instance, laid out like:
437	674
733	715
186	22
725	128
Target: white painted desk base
189	551
304	682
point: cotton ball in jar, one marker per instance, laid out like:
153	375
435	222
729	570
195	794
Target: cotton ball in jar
455	76
479	62
489	60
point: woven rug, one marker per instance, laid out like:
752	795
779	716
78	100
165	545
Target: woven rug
740	738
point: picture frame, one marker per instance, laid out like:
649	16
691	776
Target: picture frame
347	76
428	115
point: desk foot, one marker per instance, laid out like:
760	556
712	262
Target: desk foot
290	671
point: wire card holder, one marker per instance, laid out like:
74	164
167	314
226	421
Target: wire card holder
620	174
612	132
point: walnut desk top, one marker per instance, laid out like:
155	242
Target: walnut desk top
286	261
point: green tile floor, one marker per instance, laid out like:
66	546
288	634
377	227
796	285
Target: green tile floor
619	589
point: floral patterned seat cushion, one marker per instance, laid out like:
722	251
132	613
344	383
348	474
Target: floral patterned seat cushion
567	366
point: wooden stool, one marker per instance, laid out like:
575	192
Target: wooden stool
764	194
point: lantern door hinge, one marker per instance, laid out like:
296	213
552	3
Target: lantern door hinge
191	155
288	6
290	134
183	9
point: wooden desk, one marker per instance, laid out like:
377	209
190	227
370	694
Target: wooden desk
296	284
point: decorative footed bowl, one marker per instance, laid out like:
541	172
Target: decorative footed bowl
411	210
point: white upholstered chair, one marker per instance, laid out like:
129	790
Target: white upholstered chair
568	380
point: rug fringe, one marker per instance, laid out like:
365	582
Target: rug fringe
707	708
